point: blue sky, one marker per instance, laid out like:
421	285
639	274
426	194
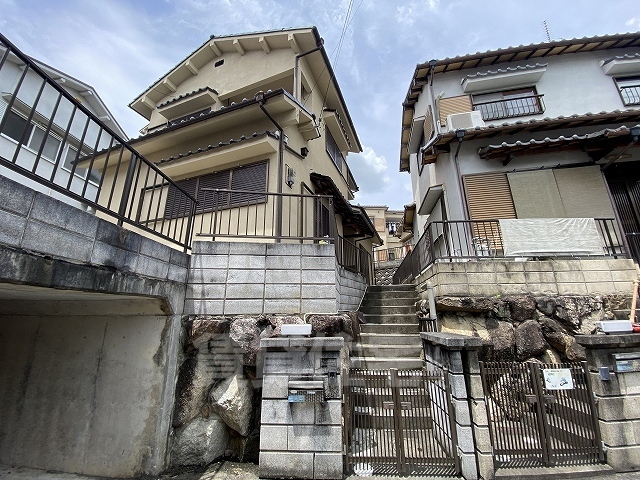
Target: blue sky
121	47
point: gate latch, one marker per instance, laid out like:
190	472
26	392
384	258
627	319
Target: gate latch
549	399
531	399
391	405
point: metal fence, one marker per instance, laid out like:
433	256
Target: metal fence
457	240
389	254
399	422
354	258
50	138
509	108
541	414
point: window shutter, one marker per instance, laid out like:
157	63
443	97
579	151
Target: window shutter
488	196
206	199
428	125
3	108
251	177
177	204
452	105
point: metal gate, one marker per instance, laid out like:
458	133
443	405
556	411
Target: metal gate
399	422
541	414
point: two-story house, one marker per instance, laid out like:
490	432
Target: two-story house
253	113
544	134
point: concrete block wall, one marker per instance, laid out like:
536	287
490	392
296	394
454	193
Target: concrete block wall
299	440
458	354
35	222
492	277
240	278
351	287
618	399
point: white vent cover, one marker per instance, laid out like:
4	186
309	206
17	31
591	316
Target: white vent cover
464	120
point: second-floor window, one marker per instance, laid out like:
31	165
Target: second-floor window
629	88
508	104
334	152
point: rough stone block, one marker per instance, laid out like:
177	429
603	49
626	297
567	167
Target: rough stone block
318	250
281	412
461	408
543	288
209	261
479	413
539	277
283	262
481	277
284	249
469	466
620	434
572	289
619	408
246	291
281	291
465	439
282	306
179	258
246	276
314	438
561	265
150	267
482	438
177	274
601	288
623	287
64	216
445	290
591	264
458	387
329	412
470	362
252	262
207	247
482	289
319	277
16	198
273	438
154	249
318	305
116	236
283	276
104	254
203	291
11	228
286	464
485	466
318	263
54	241
246	248
510	277
569	277
622	276
475	389
203	307
597	276
243	307
207	275
537	266
319	291
275	387
327	466
624	459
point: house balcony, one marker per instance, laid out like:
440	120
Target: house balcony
520	256
510	108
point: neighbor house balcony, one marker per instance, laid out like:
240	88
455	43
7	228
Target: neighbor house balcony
494	257
510	108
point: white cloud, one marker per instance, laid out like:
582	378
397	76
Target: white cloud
633	22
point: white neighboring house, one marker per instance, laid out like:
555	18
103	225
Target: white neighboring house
530	132
22	129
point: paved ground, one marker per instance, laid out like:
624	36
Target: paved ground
216	471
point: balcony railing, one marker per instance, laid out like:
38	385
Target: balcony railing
50	138
630	95
354	258
381	255
464	240
509	108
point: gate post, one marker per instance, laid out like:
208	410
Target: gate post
459	354
614	373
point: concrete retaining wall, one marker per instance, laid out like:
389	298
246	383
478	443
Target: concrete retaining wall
552	277
233	278
351	288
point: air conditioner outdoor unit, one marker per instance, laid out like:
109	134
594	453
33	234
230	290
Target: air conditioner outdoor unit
465	120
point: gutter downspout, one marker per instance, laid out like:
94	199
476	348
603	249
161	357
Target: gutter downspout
296	69
261	103
460	136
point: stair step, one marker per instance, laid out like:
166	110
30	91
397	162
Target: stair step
386	351
390	328
392	294
379	310
390	338
392	288
373	318
388	302
376	363
623	314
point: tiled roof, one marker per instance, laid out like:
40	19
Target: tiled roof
180	97
622	57
506	70
208	148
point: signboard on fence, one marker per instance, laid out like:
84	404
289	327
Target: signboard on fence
557	378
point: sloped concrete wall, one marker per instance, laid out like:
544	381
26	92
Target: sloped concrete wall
351	288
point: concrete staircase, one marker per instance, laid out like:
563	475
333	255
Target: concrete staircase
390	336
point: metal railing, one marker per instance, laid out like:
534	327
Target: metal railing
354	258
458	240
300	217
50	138
512	107
389	254
630	95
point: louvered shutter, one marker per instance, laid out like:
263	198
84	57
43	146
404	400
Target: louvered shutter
488	197
428	125
177	204
252	178
452	105
208	200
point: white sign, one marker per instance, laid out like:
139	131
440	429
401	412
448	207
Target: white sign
557	378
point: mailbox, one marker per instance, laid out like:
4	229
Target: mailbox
307	391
